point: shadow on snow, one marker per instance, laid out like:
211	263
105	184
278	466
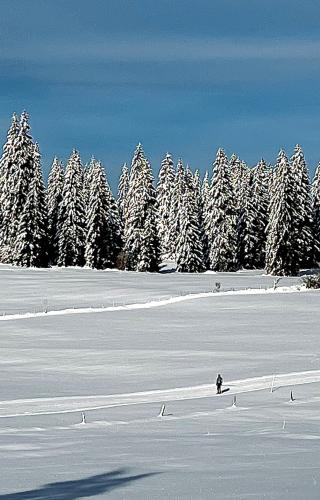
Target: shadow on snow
70	490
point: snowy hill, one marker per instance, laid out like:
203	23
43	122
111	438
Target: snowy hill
121	364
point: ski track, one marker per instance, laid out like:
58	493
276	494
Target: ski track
59	405
150	304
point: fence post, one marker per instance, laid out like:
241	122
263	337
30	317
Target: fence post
272	383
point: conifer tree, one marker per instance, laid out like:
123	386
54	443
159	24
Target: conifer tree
179	190
220	223
31	241
190	255
189	179
86	180
303	208
260	199
205	193
247	230
115	229
141	243
238	176
123	189
197	183
72	215
316	216
164	201
100	238
205	197
197	186
7	171
9	151
17	179
282	254
54	199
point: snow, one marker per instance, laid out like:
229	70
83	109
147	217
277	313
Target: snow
130	361
71	404
147	305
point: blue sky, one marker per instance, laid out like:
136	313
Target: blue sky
185	76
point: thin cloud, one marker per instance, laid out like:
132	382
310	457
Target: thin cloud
163	50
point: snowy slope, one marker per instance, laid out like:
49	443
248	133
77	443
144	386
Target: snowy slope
265	447
26	290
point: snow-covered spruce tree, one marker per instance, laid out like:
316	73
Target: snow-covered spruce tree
31	241
54	199
86	180
316	216
7	170
220	223
242	183
179	189
8	155
189	178
282	252
96	216
247	231
205	192
197	192
71	239
197	182
100	238
303	208
141	248
260	197
197	185
204	204
123	189
16	186
190	255
238	176
164	199
115	229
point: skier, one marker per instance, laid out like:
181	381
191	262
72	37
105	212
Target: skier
219	383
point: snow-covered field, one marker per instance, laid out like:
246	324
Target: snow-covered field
120	363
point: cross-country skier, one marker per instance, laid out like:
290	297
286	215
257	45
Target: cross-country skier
219	383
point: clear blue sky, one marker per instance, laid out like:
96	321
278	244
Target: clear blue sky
184	76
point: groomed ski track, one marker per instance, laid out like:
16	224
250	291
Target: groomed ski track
48	406
150	304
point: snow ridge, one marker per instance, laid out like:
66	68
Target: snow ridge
151	304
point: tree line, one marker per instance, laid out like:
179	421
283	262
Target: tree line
236	218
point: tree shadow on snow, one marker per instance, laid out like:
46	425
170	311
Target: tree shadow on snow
79	488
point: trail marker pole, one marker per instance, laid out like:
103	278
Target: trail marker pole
284	425
272	383
161	414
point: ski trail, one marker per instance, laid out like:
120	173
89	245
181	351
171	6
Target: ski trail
150	304
47	406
